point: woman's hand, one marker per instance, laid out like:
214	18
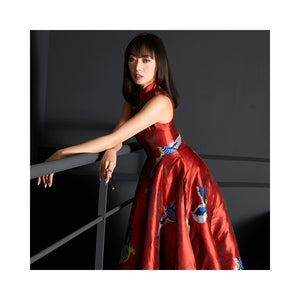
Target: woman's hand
48	179
108	164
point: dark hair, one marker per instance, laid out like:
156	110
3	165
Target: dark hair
163	74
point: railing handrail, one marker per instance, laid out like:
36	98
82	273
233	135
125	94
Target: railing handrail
44	168
75	161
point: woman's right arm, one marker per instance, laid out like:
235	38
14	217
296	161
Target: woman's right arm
109	159
125	116
155	110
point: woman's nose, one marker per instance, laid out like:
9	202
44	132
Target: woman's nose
138	65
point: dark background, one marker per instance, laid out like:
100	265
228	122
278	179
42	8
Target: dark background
223	81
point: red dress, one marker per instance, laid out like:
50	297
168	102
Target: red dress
178	219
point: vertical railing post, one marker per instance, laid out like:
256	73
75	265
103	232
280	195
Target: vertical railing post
100	237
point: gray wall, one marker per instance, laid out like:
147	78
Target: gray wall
222	78
223	81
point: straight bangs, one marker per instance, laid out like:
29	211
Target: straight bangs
141	49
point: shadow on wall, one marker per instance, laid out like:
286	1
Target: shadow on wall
254	242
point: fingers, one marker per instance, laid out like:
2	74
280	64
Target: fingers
106	168
47	180
102	169
105	173
50	179
109	171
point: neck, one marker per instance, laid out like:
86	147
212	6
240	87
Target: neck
144	86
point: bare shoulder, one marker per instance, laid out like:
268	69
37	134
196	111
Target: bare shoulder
161	100
164	107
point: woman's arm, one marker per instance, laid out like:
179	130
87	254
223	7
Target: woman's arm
109	159
155	110
158	109
125	116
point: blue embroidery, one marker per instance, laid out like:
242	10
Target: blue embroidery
168	215
199	214
238	264
165	150
200	211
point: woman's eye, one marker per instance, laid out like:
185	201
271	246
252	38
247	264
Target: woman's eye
146	60
131	59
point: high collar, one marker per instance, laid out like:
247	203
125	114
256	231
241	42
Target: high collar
148	89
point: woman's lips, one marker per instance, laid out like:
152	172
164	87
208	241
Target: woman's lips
138	76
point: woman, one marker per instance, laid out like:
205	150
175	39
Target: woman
178	218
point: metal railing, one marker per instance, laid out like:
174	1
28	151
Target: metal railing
74	162
89	158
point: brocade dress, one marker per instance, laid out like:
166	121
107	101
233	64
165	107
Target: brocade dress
178	218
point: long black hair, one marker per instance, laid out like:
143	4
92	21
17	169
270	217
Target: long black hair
164	76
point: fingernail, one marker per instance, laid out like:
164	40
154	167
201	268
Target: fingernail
45	185
50	185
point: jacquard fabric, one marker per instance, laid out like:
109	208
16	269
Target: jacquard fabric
178	219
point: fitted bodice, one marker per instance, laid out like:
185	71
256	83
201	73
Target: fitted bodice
158	139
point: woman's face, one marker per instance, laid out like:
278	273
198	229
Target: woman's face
142	68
